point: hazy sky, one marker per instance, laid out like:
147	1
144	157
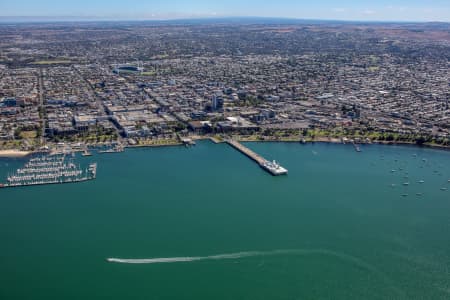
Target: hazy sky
393	10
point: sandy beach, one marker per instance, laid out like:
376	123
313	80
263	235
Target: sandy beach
13	153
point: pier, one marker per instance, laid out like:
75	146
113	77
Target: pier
272	167
241	148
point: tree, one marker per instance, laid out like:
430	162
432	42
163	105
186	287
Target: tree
420	140
390	137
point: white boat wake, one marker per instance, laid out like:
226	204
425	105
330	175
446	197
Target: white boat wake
189	259
238	255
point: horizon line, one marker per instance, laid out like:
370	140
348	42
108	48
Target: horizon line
82	19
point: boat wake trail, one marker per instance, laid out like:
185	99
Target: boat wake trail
239	255
189	259
352	260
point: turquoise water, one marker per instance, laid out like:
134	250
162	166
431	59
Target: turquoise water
334	228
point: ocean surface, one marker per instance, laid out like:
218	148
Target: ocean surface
207	223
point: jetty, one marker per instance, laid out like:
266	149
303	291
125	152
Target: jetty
86	152
115	149
45	170
188	141
270	166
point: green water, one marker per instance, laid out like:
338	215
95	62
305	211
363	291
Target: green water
350	234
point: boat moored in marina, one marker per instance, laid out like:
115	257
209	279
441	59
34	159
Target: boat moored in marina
50	170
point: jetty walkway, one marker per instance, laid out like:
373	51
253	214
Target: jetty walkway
241	148
270	166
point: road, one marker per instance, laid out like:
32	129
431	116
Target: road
101	108
41	105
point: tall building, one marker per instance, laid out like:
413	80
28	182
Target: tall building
9	102
216	103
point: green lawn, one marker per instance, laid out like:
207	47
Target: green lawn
51	62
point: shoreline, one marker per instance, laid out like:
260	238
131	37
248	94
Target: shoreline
14	153
338	141
154	145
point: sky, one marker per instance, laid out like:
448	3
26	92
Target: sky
361	10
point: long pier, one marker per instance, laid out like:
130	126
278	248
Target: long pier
241	148
271	167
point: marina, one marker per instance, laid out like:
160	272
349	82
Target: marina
56	169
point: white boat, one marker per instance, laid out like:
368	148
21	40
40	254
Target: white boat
49	170
274	168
